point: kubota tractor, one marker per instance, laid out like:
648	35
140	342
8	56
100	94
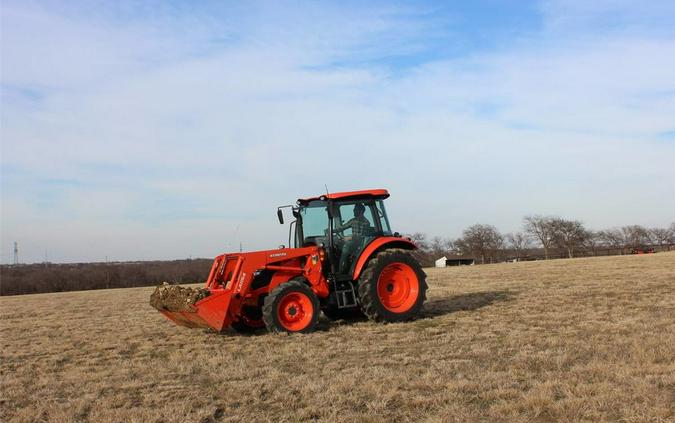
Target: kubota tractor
345	261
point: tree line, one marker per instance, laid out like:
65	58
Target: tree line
49	277
543	237
540	235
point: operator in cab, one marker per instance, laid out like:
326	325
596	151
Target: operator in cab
361	228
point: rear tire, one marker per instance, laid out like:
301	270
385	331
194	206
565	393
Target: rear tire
291	307
392	288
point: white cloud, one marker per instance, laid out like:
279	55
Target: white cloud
171	148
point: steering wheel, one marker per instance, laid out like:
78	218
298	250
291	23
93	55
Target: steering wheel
338	234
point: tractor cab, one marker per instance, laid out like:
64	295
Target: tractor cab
343	224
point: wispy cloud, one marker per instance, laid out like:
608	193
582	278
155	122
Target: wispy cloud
156	130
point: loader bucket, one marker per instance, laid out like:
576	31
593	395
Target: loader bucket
210	312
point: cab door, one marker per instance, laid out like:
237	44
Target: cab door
347	246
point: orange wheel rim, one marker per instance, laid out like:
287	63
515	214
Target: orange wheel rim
295	311
398	287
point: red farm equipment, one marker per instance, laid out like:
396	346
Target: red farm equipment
345	261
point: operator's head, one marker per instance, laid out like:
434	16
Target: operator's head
359	209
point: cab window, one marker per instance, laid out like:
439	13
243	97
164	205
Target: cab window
314	222
384	220
347	213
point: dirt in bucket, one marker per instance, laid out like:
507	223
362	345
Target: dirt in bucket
176	298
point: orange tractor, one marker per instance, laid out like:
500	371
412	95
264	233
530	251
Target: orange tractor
345	261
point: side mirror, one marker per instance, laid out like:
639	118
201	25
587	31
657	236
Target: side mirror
280	215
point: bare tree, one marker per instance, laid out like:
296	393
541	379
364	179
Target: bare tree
439	246
420	240
592	241
635	236
568	234
518	241
612	238
662	236
481	241
540	228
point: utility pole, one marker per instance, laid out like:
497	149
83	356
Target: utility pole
16	253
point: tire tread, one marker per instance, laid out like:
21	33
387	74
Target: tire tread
368	294
269	311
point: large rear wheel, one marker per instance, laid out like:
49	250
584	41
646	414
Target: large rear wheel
392	288
291	307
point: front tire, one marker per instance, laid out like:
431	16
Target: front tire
291	307
392	288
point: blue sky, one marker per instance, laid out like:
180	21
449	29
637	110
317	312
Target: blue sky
153	130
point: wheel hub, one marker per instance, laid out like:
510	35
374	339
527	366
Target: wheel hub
295	311
398	287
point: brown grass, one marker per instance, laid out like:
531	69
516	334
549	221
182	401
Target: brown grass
566	340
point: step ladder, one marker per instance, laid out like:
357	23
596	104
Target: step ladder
346	297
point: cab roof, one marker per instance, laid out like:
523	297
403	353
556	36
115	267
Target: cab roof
349	195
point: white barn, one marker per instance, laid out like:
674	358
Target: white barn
441	262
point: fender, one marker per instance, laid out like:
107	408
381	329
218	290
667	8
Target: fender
380	244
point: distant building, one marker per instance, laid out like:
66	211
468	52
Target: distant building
455	261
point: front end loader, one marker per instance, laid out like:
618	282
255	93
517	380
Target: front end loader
345	261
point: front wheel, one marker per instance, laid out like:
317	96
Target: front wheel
392	288
291	307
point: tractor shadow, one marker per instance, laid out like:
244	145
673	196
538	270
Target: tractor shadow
437	307
464	302
432	309
325	324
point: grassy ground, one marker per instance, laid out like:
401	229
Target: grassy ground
567	340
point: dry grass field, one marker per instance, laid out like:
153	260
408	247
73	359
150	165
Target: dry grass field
564	340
